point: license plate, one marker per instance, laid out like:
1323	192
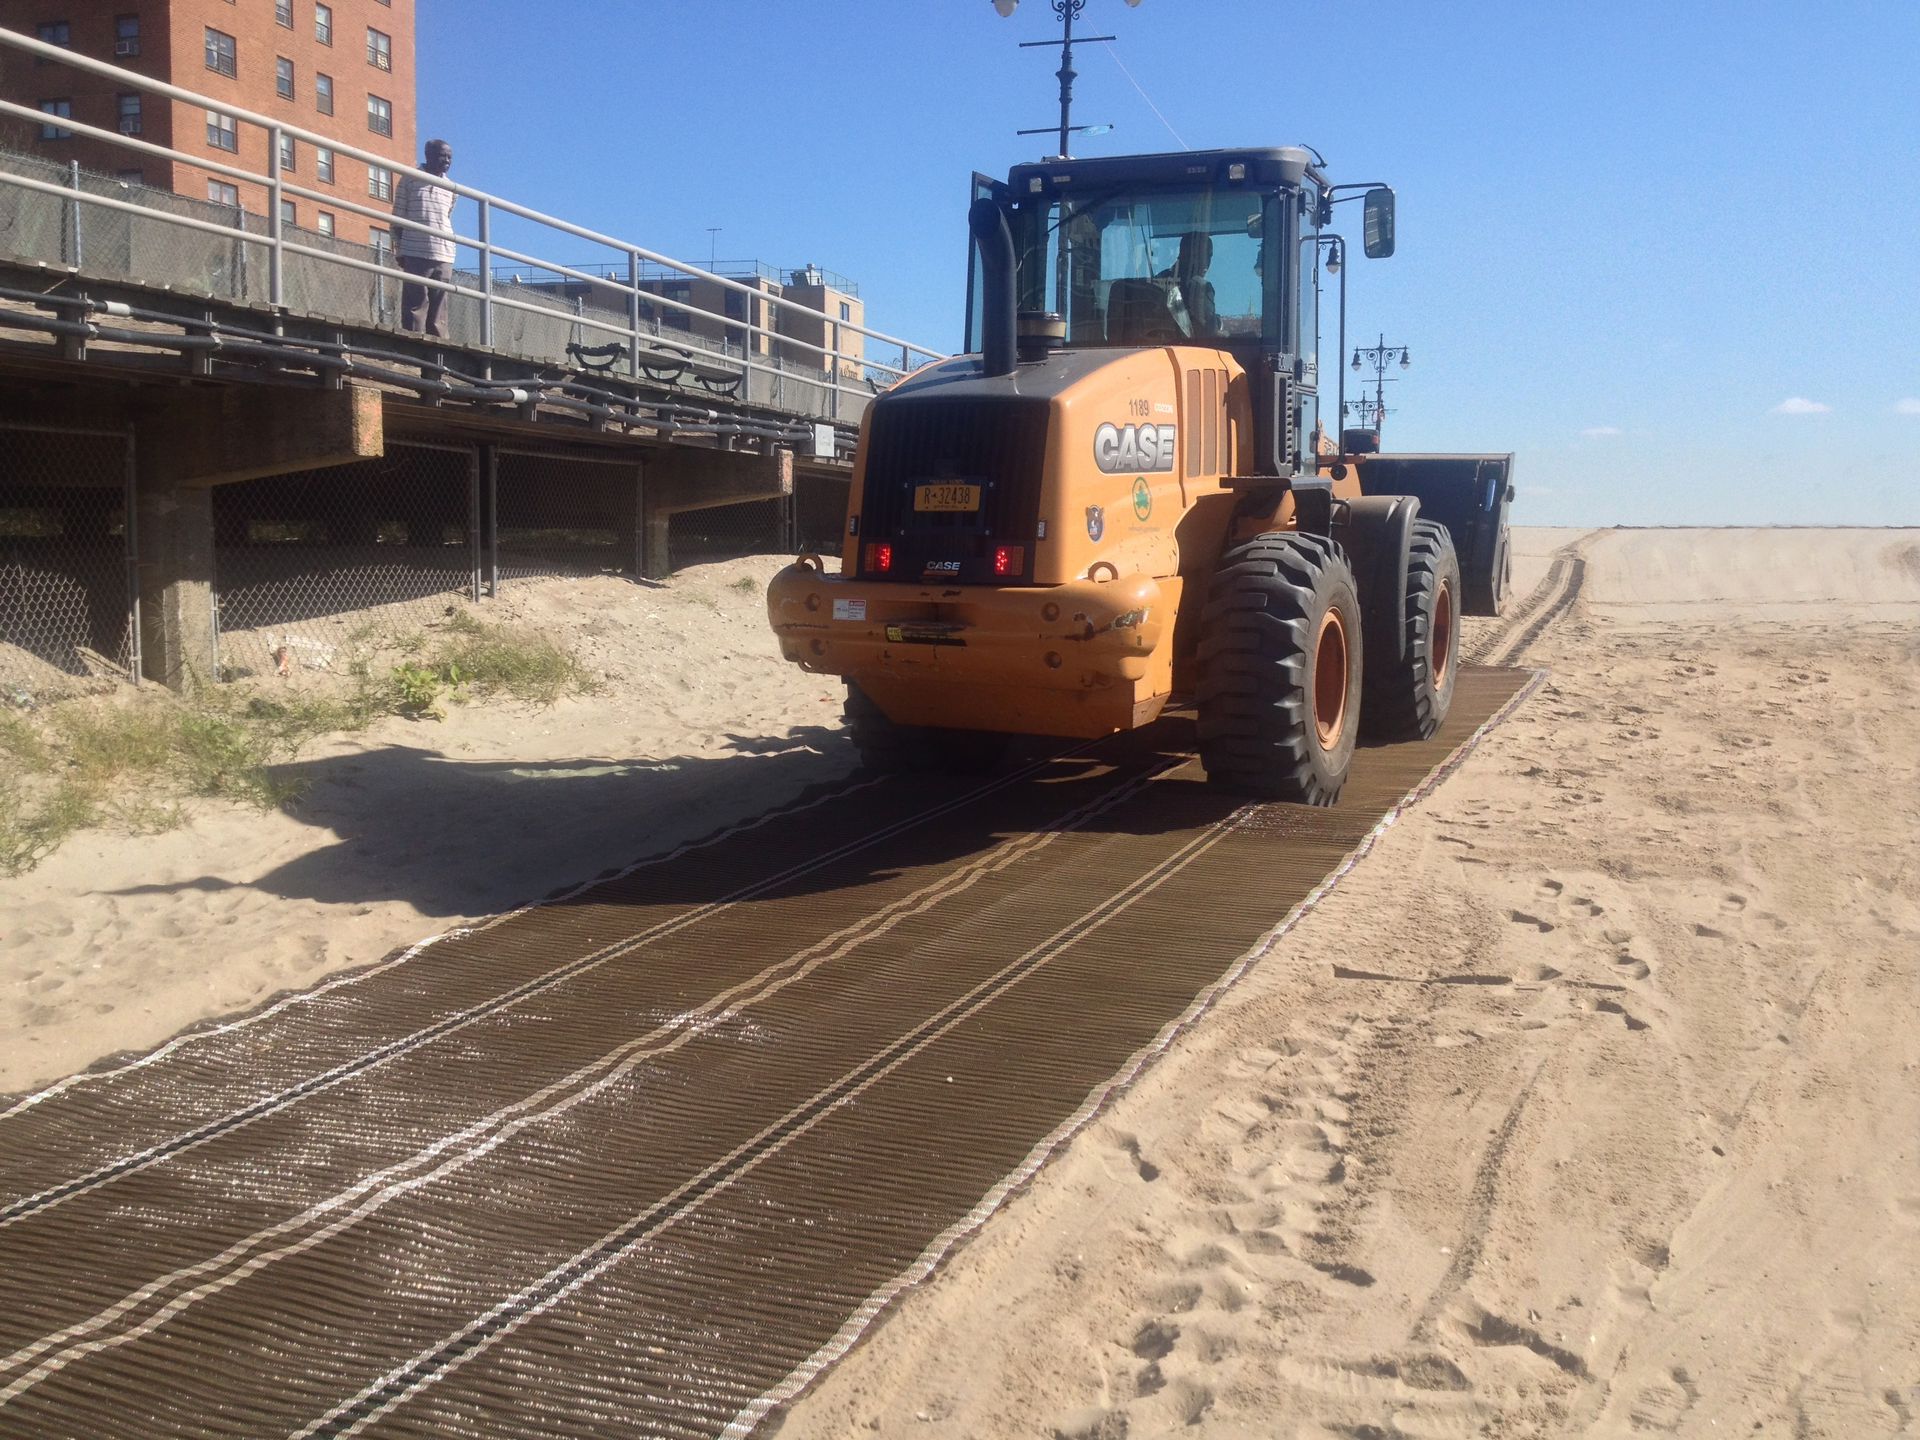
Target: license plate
946	497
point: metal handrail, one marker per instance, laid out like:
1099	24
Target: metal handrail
277	186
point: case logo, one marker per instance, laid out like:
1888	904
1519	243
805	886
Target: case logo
1118	449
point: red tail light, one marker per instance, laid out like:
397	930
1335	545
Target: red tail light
1009	560
880	557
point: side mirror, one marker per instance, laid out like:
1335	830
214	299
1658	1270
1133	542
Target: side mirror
1378	226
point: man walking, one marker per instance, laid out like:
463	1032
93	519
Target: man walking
427	253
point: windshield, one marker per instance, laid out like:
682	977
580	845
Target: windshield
1153	268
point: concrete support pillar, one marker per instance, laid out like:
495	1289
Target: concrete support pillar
192	441
686	479
175	536
657	563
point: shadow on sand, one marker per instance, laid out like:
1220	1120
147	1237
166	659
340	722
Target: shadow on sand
462	838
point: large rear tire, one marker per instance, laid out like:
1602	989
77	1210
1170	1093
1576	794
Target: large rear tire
1279	669
1408	697
893	748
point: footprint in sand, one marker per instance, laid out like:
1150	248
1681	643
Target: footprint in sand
1144	1168
1154	1340
1521	917
1483	1328
1614	1007
1632	966
1190	1401
1095	1424
1664	1404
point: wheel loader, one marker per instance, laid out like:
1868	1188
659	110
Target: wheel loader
1123	497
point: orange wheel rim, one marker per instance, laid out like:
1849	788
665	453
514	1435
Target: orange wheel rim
1330	679
1440	644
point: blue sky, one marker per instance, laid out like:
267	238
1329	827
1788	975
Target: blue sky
1668	252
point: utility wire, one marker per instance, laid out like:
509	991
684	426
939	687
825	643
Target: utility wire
1108	47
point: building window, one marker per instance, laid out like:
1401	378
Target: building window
287	153
323	94
283	77
379	49
323	24
323	164
379	115
288	215
283	13
221	132
846	310
381	240
129	114
126	35
131	177
54	32
61	108
221	193
221	55
325	222
379	182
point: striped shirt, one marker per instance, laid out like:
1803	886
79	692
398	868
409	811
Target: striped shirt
429	205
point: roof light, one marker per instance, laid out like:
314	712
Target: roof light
1035	185
1237	170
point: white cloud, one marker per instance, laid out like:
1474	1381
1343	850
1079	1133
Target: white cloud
1601	432
1800	405
1908	406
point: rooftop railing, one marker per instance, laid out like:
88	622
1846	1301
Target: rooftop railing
222	252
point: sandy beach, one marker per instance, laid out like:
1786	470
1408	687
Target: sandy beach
1588	1104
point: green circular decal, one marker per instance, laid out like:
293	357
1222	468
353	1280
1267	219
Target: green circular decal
1142	499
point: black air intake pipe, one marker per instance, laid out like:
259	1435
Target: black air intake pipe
988	222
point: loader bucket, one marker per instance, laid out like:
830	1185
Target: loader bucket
1468	494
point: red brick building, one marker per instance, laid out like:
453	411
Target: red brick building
341	68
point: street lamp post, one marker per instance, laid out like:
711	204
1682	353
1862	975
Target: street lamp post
1068	11
1378	357
1335	249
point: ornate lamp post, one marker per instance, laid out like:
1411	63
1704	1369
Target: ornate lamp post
1068	11
1378	357
1334	249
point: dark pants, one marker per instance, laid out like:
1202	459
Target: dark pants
421	307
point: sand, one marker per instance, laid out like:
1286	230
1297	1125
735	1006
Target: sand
413	828
1627	1145
1658	1176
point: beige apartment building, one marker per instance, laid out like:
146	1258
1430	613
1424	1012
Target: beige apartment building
344	69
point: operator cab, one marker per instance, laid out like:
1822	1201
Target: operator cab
1209	248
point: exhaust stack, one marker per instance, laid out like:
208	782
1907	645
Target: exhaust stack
998	343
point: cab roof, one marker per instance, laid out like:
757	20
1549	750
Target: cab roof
1282	165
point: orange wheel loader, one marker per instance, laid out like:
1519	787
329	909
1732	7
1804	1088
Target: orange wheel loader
1122	497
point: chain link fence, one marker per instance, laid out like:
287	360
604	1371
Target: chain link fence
754	527
564	516
310	565
68	597
313	568
819	514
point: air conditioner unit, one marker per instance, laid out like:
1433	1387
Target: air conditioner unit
126	47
